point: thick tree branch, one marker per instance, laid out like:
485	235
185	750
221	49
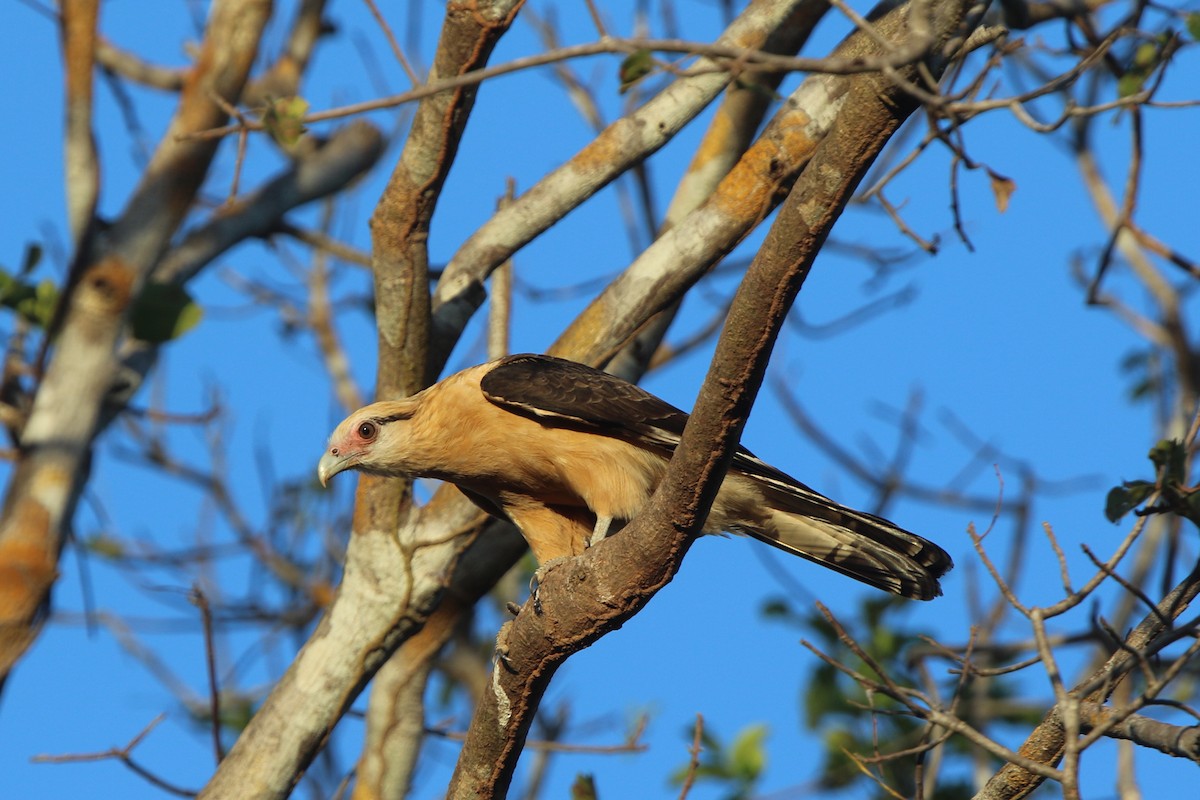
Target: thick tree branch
1174	740
400	263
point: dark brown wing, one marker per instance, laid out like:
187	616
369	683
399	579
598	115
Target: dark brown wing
568	393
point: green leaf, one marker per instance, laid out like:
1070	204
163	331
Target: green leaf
105	546
1125	498
747	756
1130	83
636	66
283	120
779	609
1170	456
584	787
1146	56
34	303
1191	503
162	312
33	257
822	696
1193	26
40	308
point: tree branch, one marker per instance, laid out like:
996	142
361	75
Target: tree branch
1174	740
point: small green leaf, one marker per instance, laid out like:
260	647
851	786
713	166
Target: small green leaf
584	787
34	303
1146	56
162	312
1125	498
1193	26
105	546
283	120
1130	83
822	696
747	756
1170	457
637	65
33	257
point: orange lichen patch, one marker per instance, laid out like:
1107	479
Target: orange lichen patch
748	191
605	150
27	572
716	140
322	593
106	287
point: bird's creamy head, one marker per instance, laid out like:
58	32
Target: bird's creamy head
371	440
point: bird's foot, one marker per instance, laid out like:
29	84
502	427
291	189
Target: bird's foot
536	580
500	654
513	608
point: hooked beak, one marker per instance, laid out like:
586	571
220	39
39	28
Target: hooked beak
331	464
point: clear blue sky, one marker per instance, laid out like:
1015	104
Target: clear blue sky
1000	339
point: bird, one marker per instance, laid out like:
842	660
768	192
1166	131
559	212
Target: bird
569	454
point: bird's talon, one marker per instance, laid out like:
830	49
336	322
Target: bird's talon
534	584
513	608
500	655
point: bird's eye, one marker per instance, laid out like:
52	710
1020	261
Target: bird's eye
368	430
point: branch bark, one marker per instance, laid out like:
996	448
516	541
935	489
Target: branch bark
1174	740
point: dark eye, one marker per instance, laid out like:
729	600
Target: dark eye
368	430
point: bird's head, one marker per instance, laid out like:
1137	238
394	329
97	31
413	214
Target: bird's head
370	440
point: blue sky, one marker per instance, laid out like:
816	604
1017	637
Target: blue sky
998	339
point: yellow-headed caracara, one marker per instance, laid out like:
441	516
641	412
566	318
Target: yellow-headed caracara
563	450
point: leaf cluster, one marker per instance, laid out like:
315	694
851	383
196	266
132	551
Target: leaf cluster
1170	484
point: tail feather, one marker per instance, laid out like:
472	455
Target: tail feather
854	554
865	547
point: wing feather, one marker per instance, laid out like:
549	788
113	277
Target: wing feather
575	395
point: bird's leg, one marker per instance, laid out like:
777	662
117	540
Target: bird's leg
600	530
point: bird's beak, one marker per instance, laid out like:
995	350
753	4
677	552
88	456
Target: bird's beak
331	465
